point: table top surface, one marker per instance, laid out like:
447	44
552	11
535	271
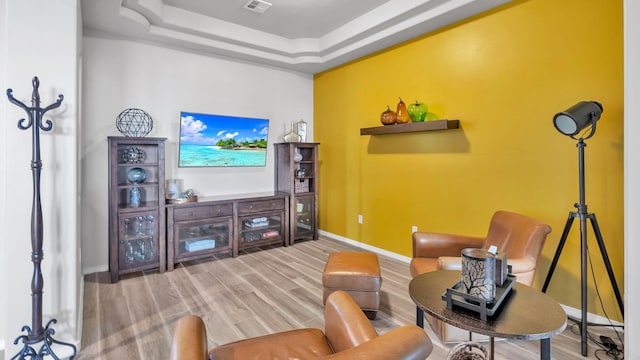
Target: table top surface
526	313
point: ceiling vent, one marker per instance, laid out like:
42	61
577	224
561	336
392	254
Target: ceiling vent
258	6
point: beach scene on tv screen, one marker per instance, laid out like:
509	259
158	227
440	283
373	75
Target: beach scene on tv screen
219	140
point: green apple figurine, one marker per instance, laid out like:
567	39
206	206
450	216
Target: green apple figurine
431	116
417	111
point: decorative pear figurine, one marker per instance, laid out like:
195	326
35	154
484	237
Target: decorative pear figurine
402	117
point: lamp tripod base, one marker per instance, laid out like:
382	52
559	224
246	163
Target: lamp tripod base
30	342
583	215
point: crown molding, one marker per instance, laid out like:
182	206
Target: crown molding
391	23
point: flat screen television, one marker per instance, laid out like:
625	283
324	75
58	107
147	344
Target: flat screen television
221	140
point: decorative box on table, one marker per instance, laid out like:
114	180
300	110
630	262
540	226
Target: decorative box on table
485	282
455	296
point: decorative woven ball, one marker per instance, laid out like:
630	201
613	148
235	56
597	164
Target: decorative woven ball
134	123
468	351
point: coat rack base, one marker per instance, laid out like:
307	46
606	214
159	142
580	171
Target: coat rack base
31	340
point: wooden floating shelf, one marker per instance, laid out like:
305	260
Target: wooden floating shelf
412	127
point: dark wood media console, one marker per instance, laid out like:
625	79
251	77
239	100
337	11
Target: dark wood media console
228	223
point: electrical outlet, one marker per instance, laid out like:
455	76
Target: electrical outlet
360	219
414	229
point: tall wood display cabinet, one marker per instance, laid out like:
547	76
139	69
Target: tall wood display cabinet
296	173
136	205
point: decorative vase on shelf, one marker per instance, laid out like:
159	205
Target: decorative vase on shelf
135	197
292	135
296	155
136	175
301	127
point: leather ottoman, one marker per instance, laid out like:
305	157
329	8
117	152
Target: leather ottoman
357	273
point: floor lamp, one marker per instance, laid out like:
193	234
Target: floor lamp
571	122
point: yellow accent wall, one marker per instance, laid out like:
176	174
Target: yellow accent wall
503	74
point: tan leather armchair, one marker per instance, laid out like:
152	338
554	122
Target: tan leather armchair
519	236
348	334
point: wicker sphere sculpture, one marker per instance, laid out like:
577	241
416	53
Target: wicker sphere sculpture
134	123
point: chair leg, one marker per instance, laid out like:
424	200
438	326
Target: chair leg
419	317
371	314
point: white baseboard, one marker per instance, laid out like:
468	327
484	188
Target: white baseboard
572	312
364	246
94	269
591	318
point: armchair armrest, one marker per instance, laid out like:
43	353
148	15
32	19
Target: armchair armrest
519	265
345	324
434	245
449	263
522	265
189	339
407	342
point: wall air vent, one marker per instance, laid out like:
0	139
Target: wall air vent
258	6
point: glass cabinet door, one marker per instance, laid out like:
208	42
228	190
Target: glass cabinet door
137	245
261	229
304	215
197	237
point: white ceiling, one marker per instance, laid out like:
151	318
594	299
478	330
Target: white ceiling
303	35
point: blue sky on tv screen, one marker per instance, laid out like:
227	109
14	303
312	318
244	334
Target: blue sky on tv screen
207	129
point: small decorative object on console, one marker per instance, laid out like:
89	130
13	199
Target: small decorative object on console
186	196
174	188
134	123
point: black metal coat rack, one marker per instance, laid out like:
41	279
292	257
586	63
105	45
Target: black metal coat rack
36	334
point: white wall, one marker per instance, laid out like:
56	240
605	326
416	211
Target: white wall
39	38
120	74
632	177
4	248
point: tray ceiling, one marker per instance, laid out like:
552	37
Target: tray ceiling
303	35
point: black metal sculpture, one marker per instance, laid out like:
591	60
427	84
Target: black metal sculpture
36	333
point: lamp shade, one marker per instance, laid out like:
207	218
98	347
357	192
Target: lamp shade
576	118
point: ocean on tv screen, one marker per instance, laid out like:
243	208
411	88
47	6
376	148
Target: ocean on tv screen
220	140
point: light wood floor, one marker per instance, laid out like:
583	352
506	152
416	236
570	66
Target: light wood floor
256	293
